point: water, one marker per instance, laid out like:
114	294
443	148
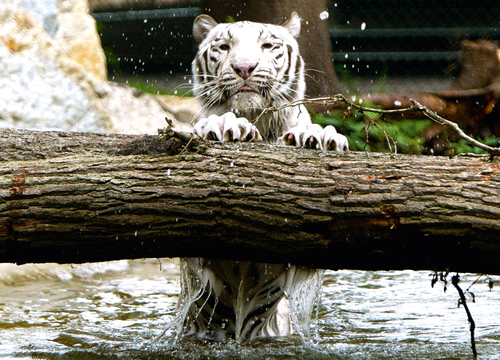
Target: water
235	299
116	311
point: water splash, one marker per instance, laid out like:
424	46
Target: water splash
12	274
191	290
303	295
223	300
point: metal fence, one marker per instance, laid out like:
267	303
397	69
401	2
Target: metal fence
370	38
408	37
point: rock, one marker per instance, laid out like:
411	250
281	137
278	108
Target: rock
184	109
45	11
133	111
53	74
77	38
36	88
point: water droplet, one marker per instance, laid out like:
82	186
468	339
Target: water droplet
324	15
363	26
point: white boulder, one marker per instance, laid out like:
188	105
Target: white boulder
53	74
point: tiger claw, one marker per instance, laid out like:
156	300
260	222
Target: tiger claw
226	128
334	141
315	137
294	136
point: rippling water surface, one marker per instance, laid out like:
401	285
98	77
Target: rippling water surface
117	310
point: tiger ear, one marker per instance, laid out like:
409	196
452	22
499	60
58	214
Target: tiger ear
202	26
293	24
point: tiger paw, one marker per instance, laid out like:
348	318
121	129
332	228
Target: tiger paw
226	128
316	137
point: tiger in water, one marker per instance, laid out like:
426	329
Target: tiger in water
240	69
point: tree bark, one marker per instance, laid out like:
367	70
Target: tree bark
76	197
314	40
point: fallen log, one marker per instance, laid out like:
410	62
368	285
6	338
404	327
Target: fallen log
78	197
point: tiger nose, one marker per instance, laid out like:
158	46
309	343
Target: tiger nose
244	70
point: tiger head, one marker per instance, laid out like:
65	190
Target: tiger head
244	67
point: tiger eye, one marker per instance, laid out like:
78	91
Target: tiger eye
224	47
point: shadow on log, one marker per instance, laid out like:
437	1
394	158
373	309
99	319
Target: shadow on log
75	197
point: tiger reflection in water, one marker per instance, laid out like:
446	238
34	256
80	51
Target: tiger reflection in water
240	69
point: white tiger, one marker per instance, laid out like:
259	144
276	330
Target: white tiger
240	69
244	67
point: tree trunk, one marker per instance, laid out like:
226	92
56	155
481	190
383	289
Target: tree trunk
75	197
314	39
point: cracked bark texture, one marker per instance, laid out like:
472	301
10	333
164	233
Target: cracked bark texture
77	197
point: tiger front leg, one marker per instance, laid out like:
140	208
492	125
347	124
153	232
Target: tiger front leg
226	127
315	137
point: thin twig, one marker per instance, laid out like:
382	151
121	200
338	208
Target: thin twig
475	281
188	139
440	120
388	138
416	107
455	280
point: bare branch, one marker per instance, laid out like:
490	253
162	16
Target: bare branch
417	107
455	280
388	138
440	120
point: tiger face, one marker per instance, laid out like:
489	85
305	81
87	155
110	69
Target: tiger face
244	67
